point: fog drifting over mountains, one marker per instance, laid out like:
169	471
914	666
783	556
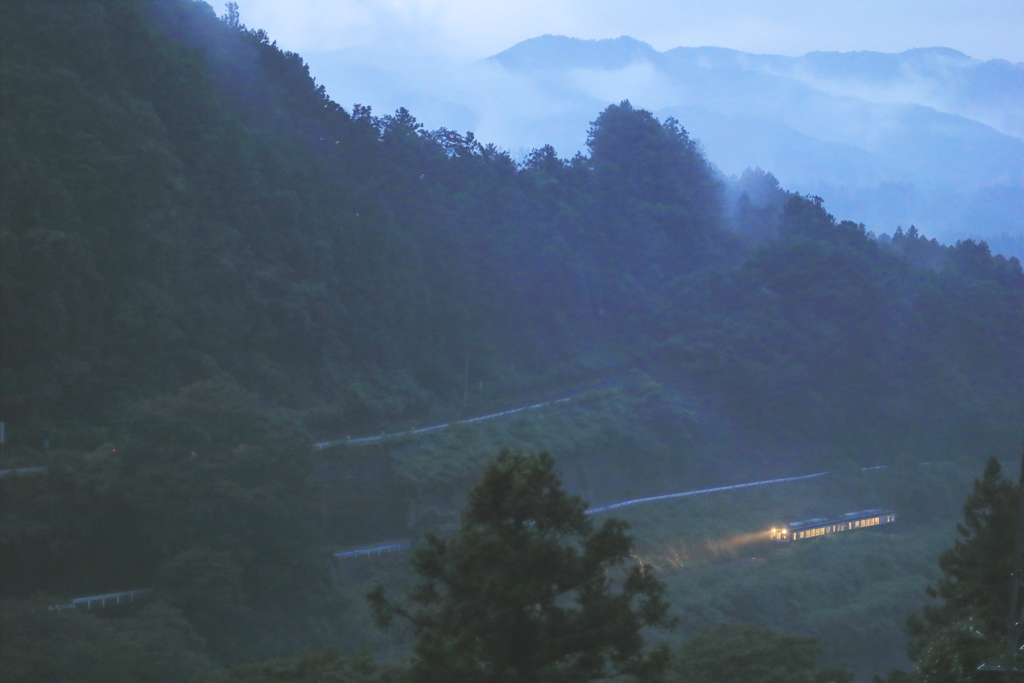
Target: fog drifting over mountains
928	136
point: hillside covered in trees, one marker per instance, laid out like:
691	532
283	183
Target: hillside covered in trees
181	202
208	264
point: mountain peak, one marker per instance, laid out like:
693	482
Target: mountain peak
561	52
943	52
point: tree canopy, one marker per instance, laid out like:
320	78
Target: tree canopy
734	653
207	497
529	589
967	623
206	263
181	201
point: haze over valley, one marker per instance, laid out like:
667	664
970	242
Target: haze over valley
327	357
929	137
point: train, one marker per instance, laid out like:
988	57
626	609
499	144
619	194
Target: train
820	526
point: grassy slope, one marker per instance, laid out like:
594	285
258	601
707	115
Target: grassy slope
852	590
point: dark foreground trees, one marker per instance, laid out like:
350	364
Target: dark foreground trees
208	497
529	589
155	644
967	625
327	666
747	654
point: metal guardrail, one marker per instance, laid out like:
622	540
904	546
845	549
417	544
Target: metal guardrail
699	492
22	472
405	545
435	428
374	550
102	600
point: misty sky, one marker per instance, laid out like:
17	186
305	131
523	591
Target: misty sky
471	29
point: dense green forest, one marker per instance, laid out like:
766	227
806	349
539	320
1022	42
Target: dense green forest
206	264
182	202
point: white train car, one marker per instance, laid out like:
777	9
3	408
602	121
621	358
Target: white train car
820	526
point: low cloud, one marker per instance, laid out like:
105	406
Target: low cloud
467	29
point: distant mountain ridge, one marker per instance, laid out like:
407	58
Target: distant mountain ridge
550	51
925	136
956	83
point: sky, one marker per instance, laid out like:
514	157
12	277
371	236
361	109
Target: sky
471	29
427	55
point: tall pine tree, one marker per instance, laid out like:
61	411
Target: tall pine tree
967	625
529	590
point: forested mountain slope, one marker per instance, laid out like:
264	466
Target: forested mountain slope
927	136
206	263
181	201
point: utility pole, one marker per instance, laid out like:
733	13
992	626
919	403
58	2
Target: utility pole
465	380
